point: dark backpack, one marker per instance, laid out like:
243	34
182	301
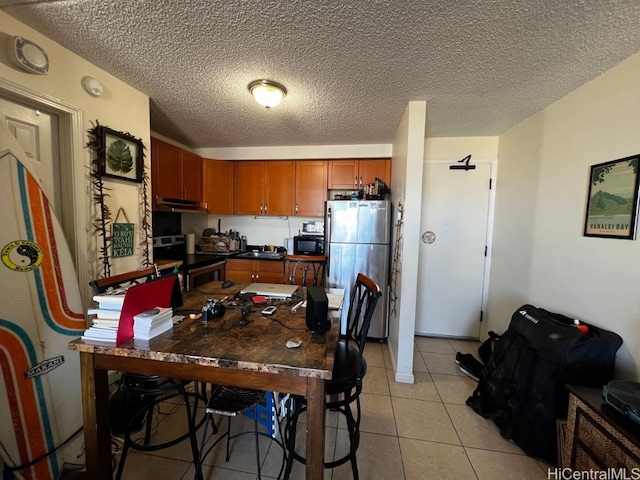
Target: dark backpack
522	387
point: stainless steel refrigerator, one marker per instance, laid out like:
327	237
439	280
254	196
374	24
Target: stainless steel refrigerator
357	240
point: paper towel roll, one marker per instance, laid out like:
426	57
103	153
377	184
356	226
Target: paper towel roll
191	243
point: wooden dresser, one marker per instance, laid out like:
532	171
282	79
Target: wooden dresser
597	436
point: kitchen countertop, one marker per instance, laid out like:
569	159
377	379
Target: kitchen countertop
165	264
203	259
198	260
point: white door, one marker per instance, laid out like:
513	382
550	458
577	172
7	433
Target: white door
455	208
37	134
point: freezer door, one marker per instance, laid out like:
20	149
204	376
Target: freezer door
345	262
358	221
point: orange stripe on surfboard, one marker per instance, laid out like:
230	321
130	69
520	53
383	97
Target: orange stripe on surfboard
23	403
53	282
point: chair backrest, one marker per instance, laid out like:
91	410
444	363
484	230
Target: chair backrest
301	269
364	298
101	285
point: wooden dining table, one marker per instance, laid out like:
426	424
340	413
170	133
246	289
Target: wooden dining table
242	349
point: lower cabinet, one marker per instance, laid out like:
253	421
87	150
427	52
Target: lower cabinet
598	437
250	271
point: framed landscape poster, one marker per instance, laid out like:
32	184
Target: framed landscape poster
612	206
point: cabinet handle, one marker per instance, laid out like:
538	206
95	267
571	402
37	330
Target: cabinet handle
355	182
265	208
296	208
257	277
261	209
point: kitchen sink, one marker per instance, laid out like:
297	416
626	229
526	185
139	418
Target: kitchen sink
268	255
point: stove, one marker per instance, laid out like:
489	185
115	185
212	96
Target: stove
169	247
197	269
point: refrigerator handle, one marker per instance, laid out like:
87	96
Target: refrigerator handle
327	238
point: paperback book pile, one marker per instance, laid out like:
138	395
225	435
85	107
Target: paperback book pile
152	323
104	327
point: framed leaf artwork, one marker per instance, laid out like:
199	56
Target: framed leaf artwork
122	155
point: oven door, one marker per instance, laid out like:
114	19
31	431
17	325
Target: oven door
195	277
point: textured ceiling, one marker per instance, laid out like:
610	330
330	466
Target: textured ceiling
350	66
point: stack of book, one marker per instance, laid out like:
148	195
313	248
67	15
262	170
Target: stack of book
104	326
152	323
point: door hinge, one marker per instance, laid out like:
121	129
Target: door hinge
481	314
490	183
485	250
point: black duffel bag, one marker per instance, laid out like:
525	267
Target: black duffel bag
522	387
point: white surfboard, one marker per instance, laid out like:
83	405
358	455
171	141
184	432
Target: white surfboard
40	313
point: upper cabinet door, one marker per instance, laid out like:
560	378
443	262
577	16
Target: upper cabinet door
279	187
175	173
249	187
217	186
343	174
165	169
380	168
354	174
191	176
311	187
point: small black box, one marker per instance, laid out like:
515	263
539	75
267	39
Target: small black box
317	309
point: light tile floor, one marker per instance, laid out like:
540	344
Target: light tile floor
411	432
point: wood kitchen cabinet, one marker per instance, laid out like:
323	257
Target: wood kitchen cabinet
217	185
250	271
264	187
175	173
311	187
355	174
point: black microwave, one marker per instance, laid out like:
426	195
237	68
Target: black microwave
308	245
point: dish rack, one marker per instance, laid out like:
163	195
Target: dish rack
218	244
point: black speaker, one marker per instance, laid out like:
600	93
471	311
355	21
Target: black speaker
317	309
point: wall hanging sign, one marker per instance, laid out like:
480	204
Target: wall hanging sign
612	206
465	164
122	155
122	235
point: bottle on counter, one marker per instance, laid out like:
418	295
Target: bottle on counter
180	277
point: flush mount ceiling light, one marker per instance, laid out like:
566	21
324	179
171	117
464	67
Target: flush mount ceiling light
267	92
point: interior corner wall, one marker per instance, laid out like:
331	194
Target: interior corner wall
540	255
406	193
121	107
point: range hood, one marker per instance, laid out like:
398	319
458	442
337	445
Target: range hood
179	206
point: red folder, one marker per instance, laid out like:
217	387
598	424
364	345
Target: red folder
156	293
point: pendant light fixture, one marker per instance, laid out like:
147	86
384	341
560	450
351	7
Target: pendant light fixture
267	92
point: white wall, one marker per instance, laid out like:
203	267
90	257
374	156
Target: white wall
121	107
456	148
301	152
406	194
540	255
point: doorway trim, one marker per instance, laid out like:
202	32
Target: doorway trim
72	165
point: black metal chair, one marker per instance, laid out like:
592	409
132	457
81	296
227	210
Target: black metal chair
349	369
139	395
298	267
230	402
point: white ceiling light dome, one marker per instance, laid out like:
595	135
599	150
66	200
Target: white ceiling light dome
267	92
